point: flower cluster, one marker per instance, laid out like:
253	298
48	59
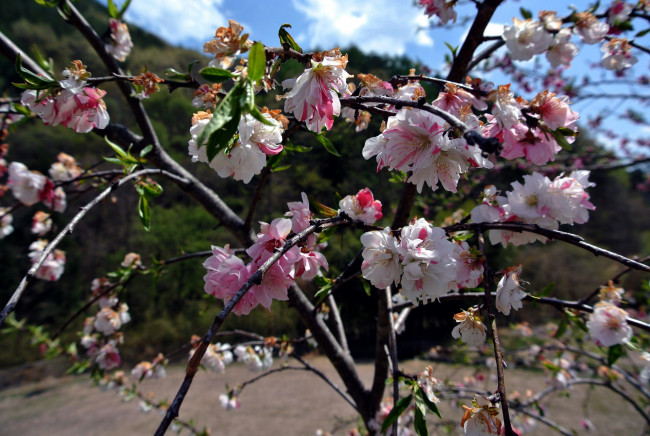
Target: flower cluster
147	370
423	260
417	141
54	263
100	332
538	201
75	105
227	273
120	45
247	156
216	356
313	97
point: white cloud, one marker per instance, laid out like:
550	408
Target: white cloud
184	22
380	26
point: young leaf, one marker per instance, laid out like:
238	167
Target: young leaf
227	110
290	146
561	140
221	138
286	38
144	212
399	408
327	144
212	74
614	353
525	13
116	148
420	423
113	12
123	9
430	404
256	62
366	287
326	211
173	74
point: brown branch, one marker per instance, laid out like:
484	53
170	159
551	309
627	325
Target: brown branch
613	279
255	279
331	384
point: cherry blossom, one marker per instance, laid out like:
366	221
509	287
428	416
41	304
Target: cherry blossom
27	186
65	168
108	357
381	262
107	321
617	56
5	222
481	419
54	263
563	50
428	383
120	45
313	97
256	359
509	293
590	28
131	260
471	329
361	207
206	96
41	223
428	262
608	325
444	10
217	356
525	39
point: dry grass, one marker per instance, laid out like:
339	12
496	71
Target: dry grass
286	403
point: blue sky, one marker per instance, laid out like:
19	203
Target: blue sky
392	27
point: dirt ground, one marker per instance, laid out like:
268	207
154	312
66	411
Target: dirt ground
286	403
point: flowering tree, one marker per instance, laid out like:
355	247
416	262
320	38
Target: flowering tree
470	127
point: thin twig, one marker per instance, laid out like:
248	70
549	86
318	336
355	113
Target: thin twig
11	304
338	323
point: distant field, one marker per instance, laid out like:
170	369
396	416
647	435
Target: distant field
287	403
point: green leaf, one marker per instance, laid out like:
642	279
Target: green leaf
255	112
247	102
420	423
280	168
290	146
173	74
46	64
525	13
401	405
256	62
546	290
116	148
113	12
190	66
225	115
124	7
430	404
614	353
327	144
145	151
215	75
366	287
286	38
452	49
642	33
561	329
144	212
561	140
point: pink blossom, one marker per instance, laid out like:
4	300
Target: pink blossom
442	9
617	56
108	357
41	223
361	207
562	51
608	325
509	293
226	273
107	321
469	265
27	186
619	12
53	266
381	262
309	262
120	45
313	97
455	97
470	329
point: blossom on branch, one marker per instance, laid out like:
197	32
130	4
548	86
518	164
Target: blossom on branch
29	187
608	325
228	41
381	261
509	293
481	419
442	9
120	45
471	329
617	56
527	38
590	28
54	263
313	97
41	223
361	207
